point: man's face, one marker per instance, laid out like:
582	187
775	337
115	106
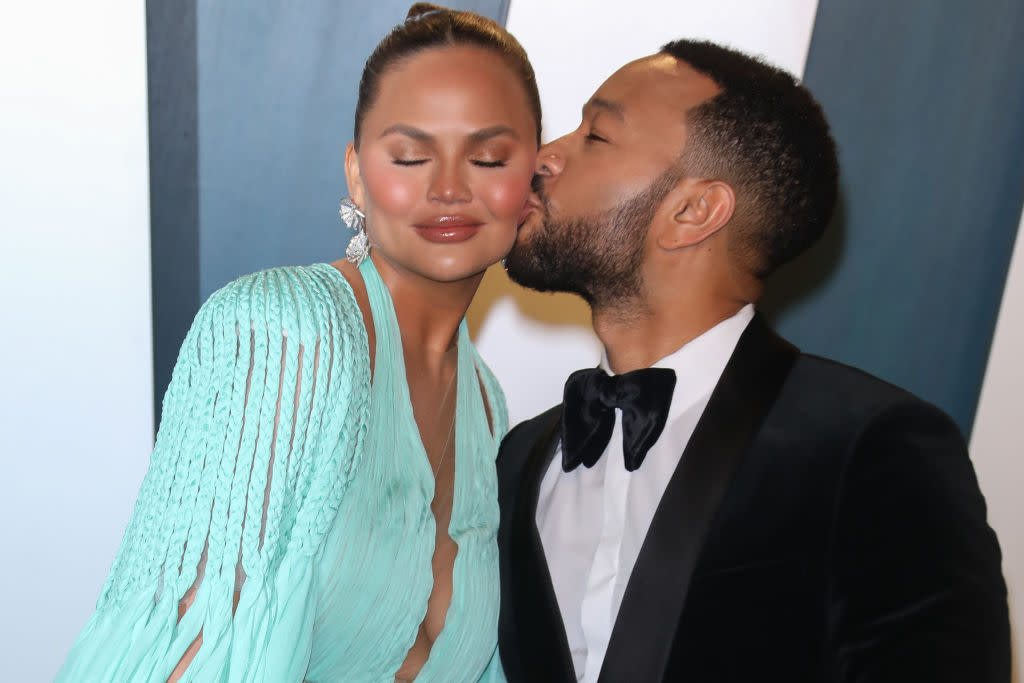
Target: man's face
600	186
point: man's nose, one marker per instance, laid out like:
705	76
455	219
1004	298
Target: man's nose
550	160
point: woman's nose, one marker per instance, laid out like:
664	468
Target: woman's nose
449	185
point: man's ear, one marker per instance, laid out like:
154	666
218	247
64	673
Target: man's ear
353	178
699	209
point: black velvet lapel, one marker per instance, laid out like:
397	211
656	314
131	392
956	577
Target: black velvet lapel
541	635
645	628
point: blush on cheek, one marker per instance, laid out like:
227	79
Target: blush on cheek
507	196
392	191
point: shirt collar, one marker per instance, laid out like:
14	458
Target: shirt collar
699	363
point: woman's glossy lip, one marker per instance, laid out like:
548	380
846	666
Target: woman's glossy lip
449	232
449	221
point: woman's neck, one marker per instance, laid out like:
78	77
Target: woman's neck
428	312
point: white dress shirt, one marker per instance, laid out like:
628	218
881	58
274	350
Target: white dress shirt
593	521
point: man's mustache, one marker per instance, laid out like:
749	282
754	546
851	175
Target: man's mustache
537	185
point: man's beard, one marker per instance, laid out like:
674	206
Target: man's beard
597	256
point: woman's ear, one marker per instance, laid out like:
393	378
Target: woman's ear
353	178
699	209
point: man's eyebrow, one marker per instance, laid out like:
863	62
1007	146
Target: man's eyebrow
614	108
475	137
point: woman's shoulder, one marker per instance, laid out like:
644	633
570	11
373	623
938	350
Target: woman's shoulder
302	300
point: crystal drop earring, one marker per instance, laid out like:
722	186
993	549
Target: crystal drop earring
354	218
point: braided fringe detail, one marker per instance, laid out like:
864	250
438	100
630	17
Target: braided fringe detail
262	424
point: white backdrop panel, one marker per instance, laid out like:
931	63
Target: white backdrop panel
996	439
76	399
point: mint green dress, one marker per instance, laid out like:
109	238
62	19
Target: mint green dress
280	476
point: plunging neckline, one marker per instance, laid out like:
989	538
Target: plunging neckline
389	357
383	306
386	528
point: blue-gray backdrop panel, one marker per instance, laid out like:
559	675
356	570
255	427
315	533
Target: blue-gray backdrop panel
926	101
173	179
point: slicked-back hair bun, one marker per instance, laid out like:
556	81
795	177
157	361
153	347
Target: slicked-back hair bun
429	26
418	9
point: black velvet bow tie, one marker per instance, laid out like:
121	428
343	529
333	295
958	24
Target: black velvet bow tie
589	404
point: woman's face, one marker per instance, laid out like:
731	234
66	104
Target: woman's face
445	158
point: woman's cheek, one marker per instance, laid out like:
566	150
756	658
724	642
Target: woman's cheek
507	195
392	190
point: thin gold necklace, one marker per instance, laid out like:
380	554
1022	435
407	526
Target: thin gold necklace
451	423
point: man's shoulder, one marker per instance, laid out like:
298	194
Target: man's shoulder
813	384
818	372
814	368
822	390
521	439
528	431
816	387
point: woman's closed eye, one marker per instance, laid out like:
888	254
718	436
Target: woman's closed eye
481	163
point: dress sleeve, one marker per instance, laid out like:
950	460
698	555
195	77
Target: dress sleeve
261	426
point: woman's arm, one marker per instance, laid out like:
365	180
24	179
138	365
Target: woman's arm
258	440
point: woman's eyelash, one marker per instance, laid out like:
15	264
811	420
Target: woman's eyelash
420	162
596	138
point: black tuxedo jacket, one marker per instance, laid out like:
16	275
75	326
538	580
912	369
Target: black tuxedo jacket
822	525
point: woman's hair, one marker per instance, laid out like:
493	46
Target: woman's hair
430	26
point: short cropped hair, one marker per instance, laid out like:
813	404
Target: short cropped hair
766	136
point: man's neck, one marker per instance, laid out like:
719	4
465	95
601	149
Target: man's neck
637	340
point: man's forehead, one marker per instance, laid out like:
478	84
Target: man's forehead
659	81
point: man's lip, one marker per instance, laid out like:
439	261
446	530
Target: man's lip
449	221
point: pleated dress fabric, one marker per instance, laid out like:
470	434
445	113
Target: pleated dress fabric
282	479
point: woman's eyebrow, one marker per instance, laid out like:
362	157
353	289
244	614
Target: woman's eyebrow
492	132
476	137
408	131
